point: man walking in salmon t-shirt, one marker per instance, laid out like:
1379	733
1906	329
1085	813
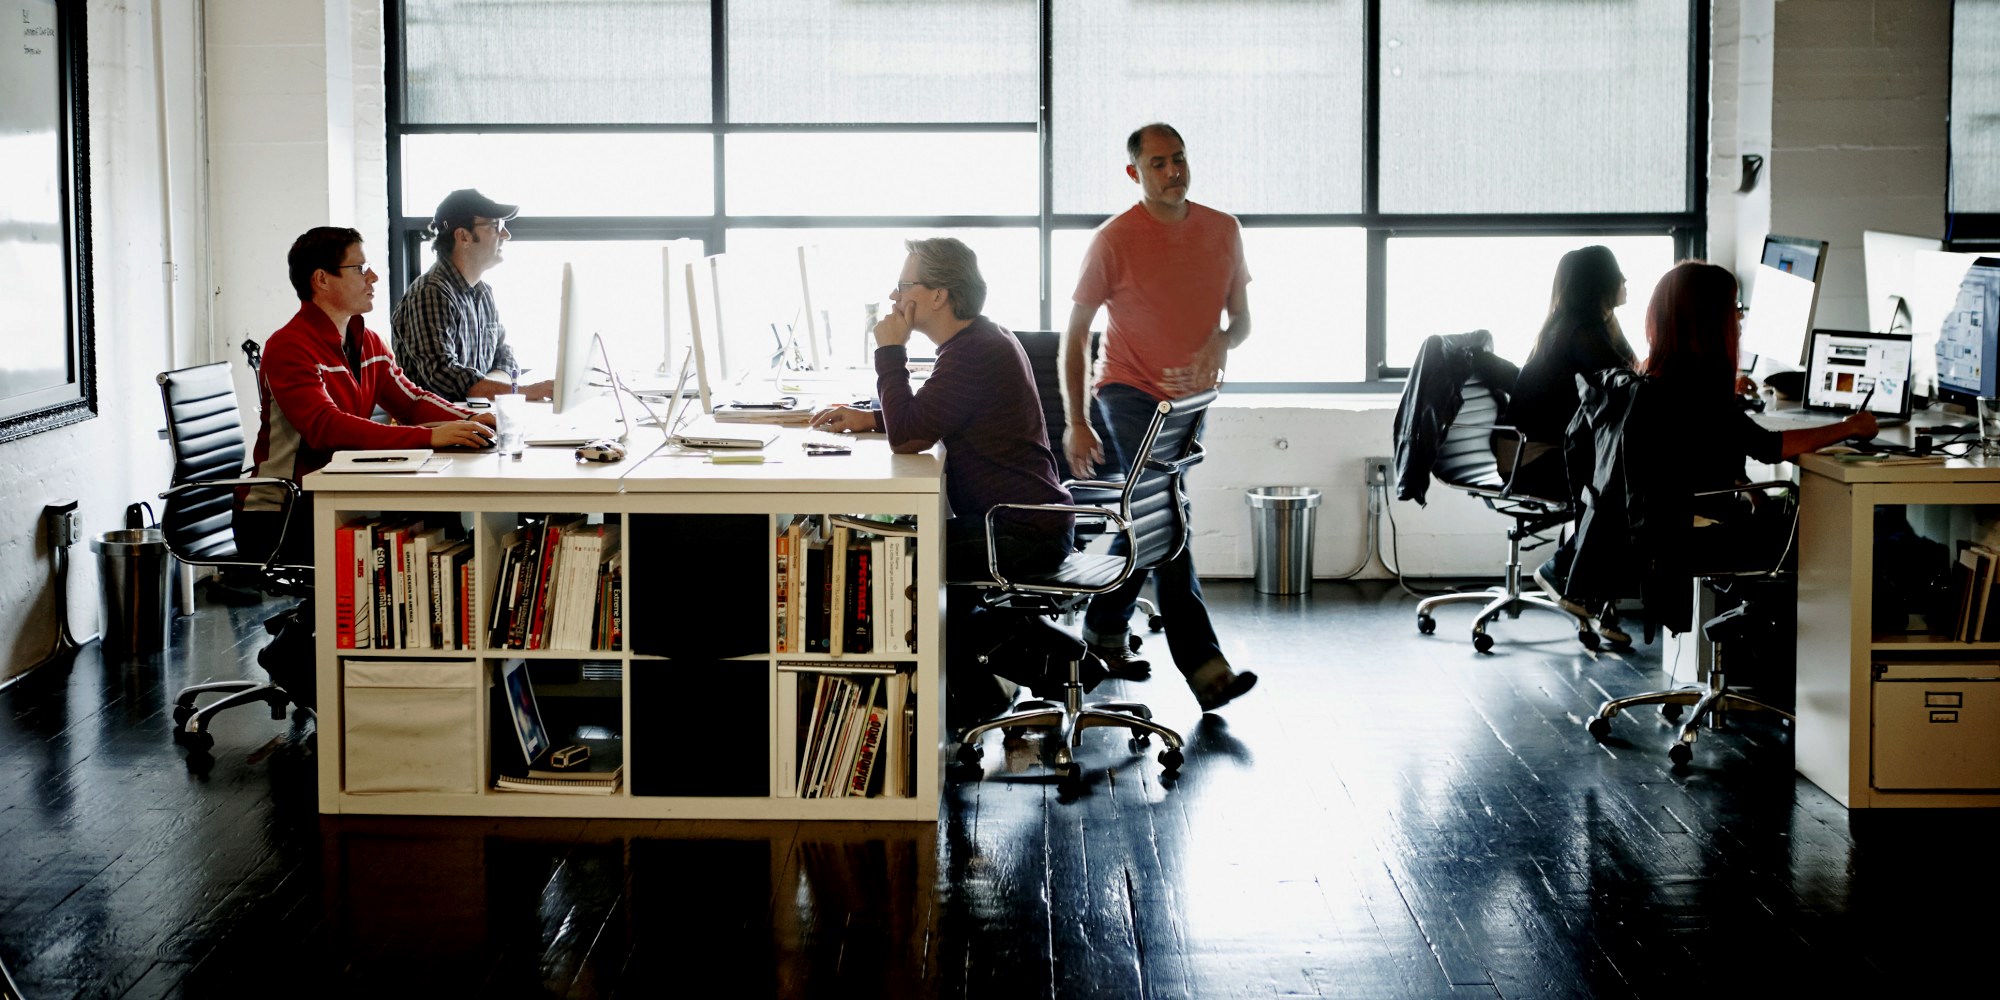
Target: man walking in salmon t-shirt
1168	270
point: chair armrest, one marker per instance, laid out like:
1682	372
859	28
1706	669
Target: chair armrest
993	548
1094	484
291	488
1773	484
292	493
1520	445
1194	456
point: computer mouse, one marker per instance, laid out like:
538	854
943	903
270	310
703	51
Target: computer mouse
600	450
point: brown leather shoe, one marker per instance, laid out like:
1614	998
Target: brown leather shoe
1216	685
1121	662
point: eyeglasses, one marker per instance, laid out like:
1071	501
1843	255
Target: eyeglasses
497	225
363	268
1742	310
905	285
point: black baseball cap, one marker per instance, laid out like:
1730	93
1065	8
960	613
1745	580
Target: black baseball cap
465	204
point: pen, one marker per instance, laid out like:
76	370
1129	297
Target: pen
1863	408
383	458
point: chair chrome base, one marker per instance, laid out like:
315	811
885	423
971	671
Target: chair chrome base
1710	702
192	725
1506	599
1068	719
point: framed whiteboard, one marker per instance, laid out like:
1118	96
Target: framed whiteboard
47	370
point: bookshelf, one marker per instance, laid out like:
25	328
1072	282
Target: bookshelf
699	699
1890	717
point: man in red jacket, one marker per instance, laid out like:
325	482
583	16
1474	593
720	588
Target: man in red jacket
322	375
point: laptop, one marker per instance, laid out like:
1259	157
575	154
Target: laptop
683	429
1846	368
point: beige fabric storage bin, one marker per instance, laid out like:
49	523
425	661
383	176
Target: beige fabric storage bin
411	727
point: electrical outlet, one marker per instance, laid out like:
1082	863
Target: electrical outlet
1378	470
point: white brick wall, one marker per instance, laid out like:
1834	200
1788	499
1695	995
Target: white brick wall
1858	101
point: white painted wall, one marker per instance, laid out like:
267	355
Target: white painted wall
114	459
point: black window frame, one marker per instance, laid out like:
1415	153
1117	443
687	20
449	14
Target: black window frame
1688	228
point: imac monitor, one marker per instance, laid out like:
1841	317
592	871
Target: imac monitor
1780	319
1795	255
1966	348
1844	368
572	381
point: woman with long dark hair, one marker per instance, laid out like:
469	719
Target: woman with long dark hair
1581	334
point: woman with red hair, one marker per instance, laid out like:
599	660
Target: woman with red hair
1692	329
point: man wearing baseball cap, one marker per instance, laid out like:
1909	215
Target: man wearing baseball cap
449	338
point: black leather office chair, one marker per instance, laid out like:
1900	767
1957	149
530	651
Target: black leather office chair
1465	461
1152	513
1637	532
206	436
1044	350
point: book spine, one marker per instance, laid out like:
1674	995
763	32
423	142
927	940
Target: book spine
544	575
360	573
385	605
870	748
618	606
465	617
837	592
859	587
343	589
434	614
784	559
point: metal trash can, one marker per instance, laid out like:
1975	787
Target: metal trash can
133	567
1281	527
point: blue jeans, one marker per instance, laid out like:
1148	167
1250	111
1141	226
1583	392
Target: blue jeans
1190	635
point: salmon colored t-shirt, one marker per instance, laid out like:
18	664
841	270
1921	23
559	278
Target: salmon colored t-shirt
1166	285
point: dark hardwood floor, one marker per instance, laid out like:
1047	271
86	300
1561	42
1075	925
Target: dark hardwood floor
1387	815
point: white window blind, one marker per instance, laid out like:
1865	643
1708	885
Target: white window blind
556	62
1524	106
1267	94
825	61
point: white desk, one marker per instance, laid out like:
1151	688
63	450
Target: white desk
1840	735
488	492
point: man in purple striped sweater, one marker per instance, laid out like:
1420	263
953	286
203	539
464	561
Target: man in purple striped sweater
979	400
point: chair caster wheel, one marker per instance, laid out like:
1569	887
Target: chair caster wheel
1132	642
1426	624
182	713
1171	759
1588	638
968	754
1599	728
1156	622
1680	753
1137	744
1482	642
197	743
1671	713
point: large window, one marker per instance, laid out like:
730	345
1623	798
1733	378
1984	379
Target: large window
1401	167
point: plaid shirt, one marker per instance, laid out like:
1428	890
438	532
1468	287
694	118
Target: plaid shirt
448	334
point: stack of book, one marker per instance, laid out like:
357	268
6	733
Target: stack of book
559	587
602	774
846	586
401	583
852	738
